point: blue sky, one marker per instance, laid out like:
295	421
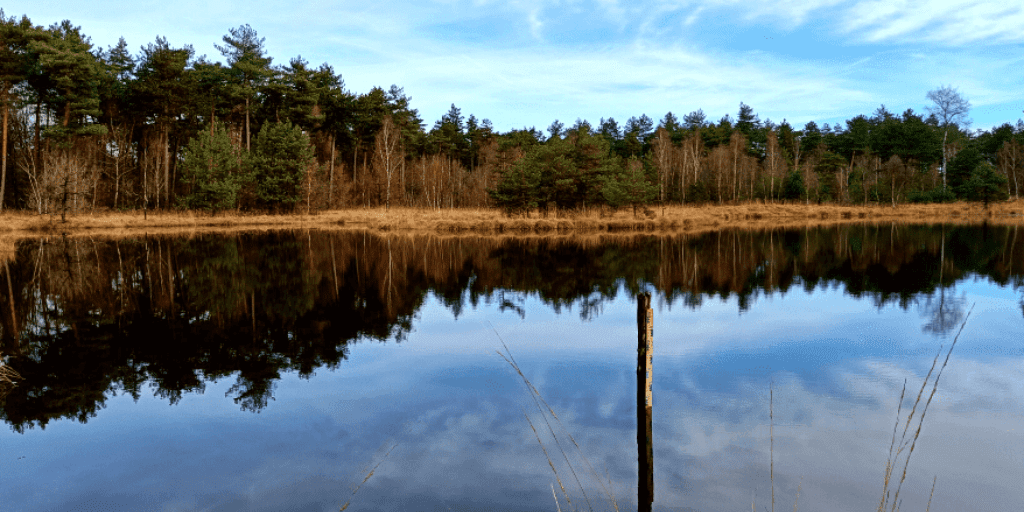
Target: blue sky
528	62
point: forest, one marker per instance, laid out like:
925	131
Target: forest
88	128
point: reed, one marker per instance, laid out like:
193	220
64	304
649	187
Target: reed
545	411
367	477
669	219
8	378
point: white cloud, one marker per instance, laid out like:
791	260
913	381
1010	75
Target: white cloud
936	21
527	62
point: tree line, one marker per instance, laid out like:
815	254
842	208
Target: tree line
87	127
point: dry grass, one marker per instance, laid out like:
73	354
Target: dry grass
7	248
8	378
670	219
545	411
894	456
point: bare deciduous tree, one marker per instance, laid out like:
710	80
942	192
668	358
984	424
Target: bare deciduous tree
1011	158
387	156
662	147
773	163
951	109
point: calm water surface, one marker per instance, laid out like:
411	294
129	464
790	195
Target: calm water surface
276	371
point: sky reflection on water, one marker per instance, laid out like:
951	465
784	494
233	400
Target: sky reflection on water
450	411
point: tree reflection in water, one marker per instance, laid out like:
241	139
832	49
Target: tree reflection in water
87	318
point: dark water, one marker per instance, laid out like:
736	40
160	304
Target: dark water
276	371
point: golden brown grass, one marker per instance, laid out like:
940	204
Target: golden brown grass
8	378
670	219
7	248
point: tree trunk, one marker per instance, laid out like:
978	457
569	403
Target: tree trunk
944	134
330	179
39	155
167	166
145	183
247	124
95	179
3	166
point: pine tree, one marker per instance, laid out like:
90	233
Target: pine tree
212	169
15	60
518	190
74	73
986	185
250	68
281	153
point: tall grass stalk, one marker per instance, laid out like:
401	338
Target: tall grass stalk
553	495
929	507
550	463
544	411
893	459
367	477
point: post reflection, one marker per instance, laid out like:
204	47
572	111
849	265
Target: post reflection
644	441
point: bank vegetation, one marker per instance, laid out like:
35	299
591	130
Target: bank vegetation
489	221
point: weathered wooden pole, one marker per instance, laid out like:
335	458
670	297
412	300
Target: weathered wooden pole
644	445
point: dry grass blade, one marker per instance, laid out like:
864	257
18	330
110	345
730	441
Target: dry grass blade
896	502
7	374
555	496
7	378
535	395
368	475
929	507
550	463
611	490
538	399
892	444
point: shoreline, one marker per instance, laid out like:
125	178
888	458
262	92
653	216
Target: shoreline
479	221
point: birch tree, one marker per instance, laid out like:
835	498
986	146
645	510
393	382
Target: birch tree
951	108
387	156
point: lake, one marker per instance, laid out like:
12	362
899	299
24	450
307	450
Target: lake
318	370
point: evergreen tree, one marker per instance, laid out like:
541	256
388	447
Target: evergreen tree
694	120
211	168
74	73
15	60
985	185
250	67
746	121
163	91
629	185
793	188
518	190
812	137
118	71
961	167
281	153
555	130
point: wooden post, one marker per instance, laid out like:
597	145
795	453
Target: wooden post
644	444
